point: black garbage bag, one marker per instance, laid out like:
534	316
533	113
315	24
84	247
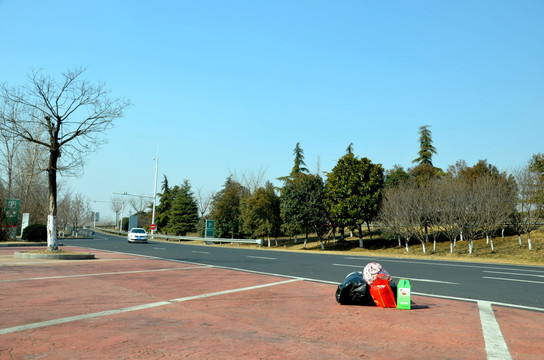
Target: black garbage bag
354	290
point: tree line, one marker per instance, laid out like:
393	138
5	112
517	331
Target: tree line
422	203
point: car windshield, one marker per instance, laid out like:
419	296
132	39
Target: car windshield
139	231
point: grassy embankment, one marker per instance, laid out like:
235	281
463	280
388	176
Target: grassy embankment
505	251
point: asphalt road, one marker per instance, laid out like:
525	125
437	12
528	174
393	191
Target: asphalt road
513	285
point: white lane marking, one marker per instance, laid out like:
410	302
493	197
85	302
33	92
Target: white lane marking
427	280
156	248
402	277
495	346
464	265
200	252
511	273
261	257
135	308
515	280
100	274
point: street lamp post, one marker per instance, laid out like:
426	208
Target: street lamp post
155	191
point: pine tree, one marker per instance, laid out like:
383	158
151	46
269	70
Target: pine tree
163	209
184	212
426	148
299	166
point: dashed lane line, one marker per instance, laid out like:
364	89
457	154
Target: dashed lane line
515	280
261	257
515	274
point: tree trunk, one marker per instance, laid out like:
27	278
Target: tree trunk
361	245
491	243
426	234
296	239
52	243
406	244
451	248
529	243
423	247
398	238
369	232
519	240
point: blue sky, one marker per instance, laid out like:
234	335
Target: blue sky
232	86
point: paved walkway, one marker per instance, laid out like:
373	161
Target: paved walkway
128	307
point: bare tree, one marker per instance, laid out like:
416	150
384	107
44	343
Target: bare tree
204	201
394	213
80	212
31	180
9	146
63	211
530	205
139	203
495	204
117	205
449	205
251	181
74	114
417	203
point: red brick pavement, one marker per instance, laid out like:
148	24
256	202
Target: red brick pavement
199	312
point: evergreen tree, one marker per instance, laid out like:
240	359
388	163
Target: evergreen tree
396	176
261	212
226	209
302	204
184	211
164	206
299	166
353	192
426	148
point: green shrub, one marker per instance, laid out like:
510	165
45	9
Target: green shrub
3	234
35	232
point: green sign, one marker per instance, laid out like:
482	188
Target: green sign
12	211
404	295
209	228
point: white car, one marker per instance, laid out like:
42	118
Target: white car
137	235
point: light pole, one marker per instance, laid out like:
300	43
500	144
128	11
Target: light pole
155	192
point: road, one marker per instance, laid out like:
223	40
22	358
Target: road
512	285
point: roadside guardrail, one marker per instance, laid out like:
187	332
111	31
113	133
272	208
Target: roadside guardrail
190	238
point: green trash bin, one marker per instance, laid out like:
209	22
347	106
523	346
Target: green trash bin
403	295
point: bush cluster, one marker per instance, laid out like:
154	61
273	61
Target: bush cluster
35	232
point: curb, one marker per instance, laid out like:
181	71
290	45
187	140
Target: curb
31	255
22	244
